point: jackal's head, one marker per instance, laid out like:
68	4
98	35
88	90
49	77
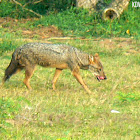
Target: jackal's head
96	67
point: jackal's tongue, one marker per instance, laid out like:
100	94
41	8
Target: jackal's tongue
101	78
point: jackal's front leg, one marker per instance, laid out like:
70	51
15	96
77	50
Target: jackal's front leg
56	75
29	70
77	75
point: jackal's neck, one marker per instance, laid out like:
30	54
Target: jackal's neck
82	58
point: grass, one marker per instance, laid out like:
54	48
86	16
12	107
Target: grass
78	22
69	113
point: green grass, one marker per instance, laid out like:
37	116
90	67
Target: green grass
79	22
69	113
8	43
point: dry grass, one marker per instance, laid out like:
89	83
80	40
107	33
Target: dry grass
69	113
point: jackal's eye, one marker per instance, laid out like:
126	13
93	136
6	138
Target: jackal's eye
99	69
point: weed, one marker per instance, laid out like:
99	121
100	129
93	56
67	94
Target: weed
127	98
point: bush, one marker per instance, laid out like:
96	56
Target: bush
10	9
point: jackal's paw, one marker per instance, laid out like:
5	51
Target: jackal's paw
29	88
89	92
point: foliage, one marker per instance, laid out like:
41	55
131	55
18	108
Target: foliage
76	21
10	9
79	22
60	5
128	98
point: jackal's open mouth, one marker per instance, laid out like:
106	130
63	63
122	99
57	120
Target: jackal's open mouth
100	78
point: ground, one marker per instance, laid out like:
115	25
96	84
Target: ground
46	34
69	113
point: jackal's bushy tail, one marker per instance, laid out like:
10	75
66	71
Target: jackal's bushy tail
11	69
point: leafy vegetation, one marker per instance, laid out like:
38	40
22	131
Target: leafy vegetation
79	22
11	9
129	97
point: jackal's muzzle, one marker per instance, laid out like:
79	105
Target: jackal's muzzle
101	78
96	67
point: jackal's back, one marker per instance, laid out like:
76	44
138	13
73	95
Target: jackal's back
44	54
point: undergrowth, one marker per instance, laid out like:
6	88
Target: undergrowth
74	21
79	22
11	9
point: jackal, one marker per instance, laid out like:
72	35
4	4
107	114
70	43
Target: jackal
57	56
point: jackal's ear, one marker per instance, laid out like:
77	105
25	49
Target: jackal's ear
96	57
91	59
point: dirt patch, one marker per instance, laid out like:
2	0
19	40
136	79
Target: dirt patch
116	42
120	43
43	32
12	20
40	32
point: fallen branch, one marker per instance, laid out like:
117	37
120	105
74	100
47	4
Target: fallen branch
23	6
37	1
68	38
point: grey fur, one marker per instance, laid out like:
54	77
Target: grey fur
48	55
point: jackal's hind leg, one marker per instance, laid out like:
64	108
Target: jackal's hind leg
78	77
28	74
56	75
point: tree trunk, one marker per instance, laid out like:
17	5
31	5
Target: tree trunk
87	3
115	9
